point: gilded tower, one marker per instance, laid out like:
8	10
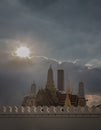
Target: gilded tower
50	81
68	92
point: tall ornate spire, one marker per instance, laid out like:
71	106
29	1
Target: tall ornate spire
67	101
50	80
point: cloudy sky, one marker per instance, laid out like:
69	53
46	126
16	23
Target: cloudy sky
58	30
61	29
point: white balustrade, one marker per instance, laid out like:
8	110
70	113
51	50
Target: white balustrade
49	110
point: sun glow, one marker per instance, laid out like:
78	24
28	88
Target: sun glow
23	52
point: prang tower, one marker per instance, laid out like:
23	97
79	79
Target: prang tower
50	80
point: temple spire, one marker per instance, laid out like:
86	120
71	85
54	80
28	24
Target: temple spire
50	79
68	92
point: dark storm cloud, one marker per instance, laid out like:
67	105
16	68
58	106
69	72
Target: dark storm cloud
70	28
38	4
68	10
63	26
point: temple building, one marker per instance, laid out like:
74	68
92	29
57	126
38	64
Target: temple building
51	96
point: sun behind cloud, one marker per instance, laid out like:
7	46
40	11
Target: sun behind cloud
23	52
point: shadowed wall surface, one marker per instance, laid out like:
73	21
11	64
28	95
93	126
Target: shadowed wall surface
50	123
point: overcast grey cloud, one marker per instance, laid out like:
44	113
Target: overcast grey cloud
71	28
55	31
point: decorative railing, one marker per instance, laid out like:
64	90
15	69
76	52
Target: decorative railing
19	111
46	109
